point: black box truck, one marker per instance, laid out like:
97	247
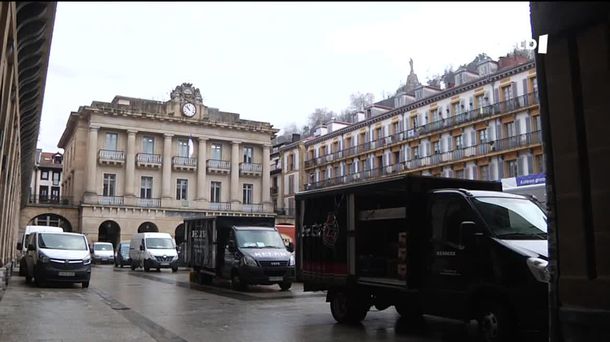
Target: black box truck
426	245
246	250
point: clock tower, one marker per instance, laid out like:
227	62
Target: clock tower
186	102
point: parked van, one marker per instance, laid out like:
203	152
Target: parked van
246	250
22	246
153	250
102	252
122	255
58	256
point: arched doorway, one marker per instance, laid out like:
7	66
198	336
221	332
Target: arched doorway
52	220
148	227
179	234
109	231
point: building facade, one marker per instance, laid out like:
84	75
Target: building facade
27	28
138	165
45	185
486	126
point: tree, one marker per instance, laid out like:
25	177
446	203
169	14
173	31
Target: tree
360	101
320	116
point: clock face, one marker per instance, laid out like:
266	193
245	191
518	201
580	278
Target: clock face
189	109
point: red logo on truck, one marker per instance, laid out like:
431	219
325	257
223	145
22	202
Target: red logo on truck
330	231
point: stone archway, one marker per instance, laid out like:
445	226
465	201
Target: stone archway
148	227
52	220
179	234
109	231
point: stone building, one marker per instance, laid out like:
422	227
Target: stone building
135	165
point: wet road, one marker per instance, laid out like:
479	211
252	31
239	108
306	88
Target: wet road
125	305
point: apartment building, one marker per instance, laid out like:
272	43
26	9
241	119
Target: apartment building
485	126
138	165
45	185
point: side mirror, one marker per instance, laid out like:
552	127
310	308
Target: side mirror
19	246
141	247
468	229
231	246
31	247
290	247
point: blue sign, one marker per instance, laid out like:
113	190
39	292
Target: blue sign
531	179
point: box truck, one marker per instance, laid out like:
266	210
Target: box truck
245	250
447	247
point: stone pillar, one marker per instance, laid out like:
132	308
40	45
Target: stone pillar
266	197
167	166
235	197
201	169
130	161
91	159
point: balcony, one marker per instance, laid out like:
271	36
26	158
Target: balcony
252	208
146	160
108	157
223	206
222	167
184	163
250	169
276	168
149	202
504	107
49	200
110	200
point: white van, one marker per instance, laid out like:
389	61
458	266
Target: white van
22	246
153	250
102	252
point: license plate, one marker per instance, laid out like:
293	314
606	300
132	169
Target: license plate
66	274
276	278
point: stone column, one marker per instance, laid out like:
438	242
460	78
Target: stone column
266	197
167	166
201	169
130	161
91	159
235	198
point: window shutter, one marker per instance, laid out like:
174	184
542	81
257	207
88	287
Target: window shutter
471	104
525	91
528	124
496	96
500	166
498	132
514	90
449	144
473	138
520	166
530	164
518	127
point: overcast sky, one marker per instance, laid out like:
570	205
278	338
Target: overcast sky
273	62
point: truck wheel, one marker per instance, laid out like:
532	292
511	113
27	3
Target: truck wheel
22	268
347	310
174	269
146	268
133	266
237	283
39	281
85	284
285	286
495	322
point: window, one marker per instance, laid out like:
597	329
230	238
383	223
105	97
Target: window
55	193
111	141
109	184
447	213
414	122
248	153
291	162
458	142
456	108
378	133
395	128
508	93
510	129
484	172
146	187
181	189
44	175
148	145
216	151
247	194
56	176
215	192
481	101
459	174
415	152
512	168
336	172
483	136
44	192
291	184
183	148
539	164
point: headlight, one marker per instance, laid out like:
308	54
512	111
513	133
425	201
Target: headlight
43	258
87	260
247	260
539	269
291	263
